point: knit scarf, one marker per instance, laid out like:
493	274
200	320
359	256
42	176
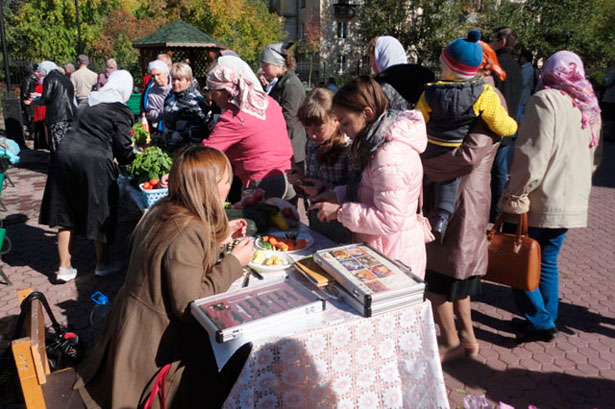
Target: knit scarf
564	71
363	147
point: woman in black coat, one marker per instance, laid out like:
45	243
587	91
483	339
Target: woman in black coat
58	95
81	192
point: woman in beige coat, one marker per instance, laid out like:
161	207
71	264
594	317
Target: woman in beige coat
551	179
175	248
455	268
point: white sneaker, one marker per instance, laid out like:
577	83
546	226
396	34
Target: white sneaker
66	274
104	270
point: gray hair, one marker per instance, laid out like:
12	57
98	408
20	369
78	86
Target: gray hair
166	58
111	63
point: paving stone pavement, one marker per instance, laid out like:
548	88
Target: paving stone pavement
577	370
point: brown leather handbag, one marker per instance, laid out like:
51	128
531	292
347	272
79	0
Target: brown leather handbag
514	259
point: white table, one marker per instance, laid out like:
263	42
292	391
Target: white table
387	361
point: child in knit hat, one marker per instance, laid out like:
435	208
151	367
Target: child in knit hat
450	107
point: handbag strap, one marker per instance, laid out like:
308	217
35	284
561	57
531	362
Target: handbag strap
420	210
158	388
26	307
522	227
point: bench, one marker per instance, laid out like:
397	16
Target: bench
41	388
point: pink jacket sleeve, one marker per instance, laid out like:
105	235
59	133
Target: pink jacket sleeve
390	209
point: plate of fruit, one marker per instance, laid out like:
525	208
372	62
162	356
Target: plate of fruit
287	242
269	260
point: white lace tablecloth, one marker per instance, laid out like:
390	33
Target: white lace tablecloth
387	361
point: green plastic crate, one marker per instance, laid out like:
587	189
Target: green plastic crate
134	103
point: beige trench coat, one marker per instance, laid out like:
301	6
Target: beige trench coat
464	252
150	325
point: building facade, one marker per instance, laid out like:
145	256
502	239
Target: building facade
334	25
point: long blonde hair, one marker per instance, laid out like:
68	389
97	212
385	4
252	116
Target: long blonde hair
193	196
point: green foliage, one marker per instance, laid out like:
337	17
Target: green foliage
41	29
140	136
150	165
46	29
245	26
545	26
424	27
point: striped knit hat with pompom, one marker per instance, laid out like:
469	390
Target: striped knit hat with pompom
464	56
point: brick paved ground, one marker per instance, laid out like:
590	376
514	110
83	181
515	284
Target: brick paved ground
575	371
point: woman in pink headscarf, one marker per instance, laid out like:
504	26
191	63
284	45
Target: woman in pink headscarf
551	180
251	131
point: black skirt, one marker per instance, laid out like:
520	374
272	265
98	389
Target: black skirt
453	288
81	193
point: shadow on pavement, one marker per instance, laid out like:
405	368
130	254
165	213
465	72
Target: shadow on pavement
36	161
570	317
521	387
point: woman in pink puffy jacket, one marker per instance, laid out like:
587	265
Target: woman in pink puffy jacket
379	203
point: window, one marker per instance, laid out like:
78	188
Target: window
342	29
302	4
302	32
341	62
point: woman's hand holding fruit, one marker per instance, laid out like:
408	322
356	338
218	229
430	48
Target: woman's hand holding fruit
243	251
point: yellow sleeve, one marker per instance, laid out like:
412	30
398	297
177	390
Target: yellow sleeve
423	107
493	113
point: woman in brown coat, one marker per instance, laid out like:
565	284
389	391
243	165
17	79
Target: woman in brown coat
454	268
175	248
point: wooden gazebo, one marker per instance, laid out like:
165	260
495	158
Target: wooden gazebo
181	41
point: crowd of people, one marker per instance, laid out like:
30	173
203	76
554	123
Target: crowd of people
369	159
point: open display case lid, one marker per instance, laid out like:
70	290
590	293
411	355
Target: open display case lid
248	310
367	274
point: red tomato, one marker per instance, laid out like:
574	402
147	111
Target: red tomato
154	182
147	185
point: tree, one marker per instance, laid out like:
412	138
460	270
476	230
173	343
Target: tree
544	27
119	29
424	27
310	45
245	26
41	29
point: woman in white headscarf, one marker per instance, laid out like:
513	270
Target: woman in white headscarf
403	83
154	96
81	192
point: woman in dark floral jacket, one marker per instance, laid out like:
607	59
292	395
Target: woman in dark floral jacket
186	112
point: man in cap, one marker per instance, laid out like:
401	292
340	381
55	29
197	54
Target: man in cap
83	79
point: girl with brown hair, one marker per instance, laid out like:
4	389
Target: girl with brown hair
379	203
327	158
175	248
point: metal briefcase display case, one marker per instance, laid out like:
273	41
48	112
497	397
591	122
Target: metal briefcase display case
373	283
251	310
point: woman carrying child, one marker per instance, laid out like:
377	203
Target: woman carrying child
379	202
454	269
327	158
450	107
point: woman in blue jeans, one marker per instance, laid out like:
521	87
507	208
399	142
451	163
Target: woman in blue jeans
551	180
